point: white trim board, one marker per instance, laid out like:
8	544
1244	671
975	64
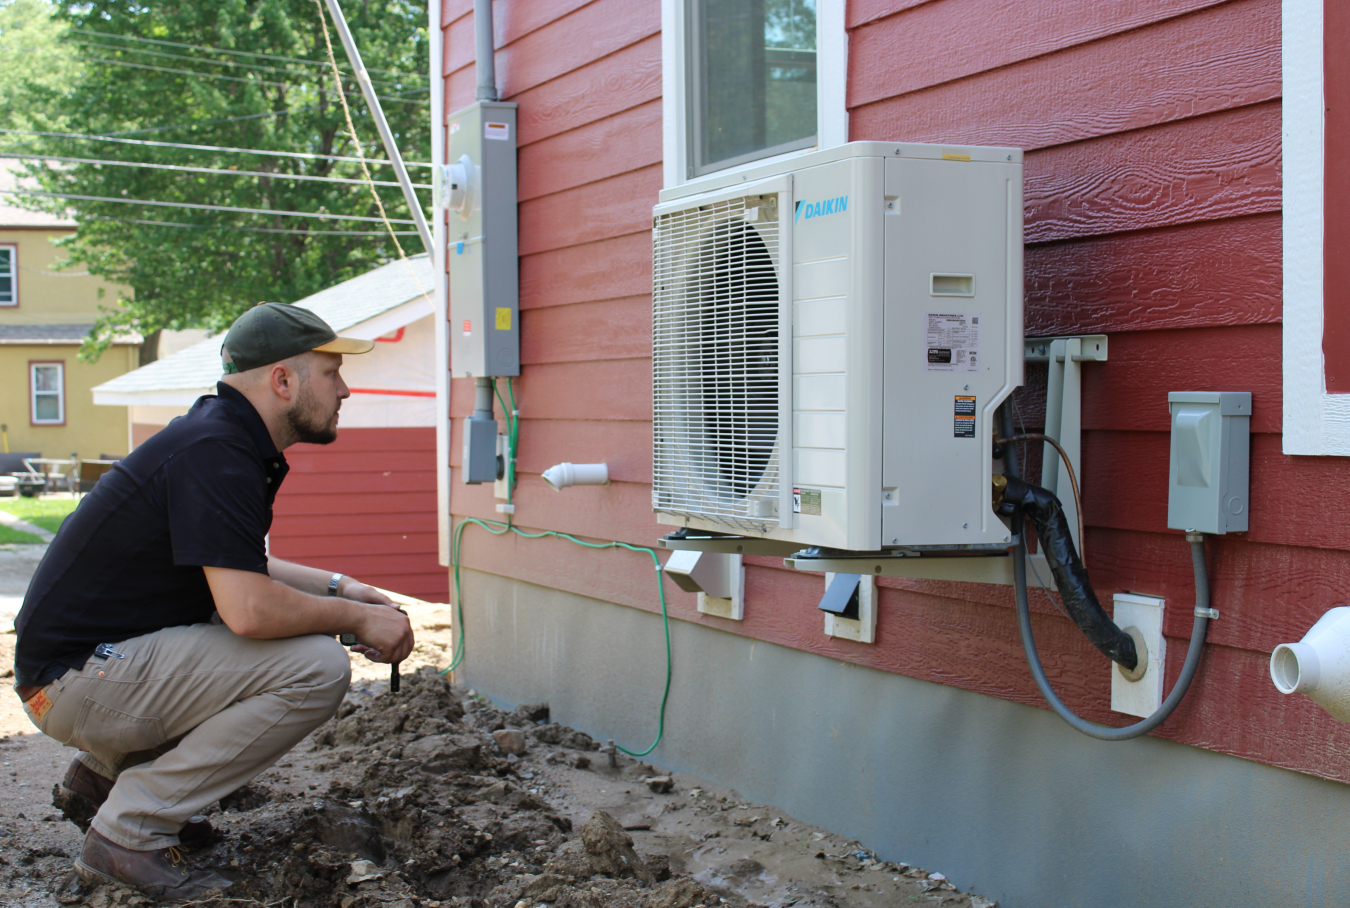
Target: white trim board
1315	422
831	90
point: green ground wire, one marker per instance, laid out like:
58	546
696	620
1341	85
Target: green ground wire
497	528
512	435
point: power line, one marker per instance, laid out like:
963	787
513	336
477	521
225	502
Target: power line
198	207
270	113
201	75
223	172
183	72
257	151
380	233
257	116
222	50
240	65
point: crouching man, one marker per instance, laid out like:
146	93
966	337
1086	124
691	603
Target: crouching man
119	651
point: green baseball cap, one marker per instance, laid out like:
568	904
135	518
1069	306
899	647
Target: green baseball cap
271	332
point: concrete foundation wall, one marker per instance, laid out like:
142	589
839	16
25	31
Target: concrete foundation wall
1005	799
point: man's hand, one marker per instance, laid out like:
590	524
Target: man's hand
386	635
353	589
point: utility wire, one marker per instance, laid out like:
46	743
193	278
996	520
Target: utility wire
258	116
216	170
183	72
202	75
102	217
300	74
257	151
222	50
200	207
356	143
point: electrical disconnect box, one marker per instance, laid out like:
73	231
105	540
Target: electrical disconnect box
478	187
1208	476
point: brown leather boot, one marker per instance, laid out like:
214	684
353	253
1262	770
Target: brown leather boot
83	791
163	873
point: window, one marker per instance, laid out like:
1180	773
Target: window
9	275
47	387
750	80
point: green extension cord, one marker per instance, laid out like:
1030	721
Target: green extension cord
498	528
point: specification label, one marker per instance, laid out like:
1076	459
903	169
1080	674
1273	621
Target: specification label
952	342
806	501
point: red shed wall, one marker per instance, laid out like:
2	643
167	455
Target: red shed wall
366	506
1152	131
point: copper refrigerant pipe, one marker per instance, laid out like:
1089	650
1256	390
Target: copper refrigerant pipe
1073	483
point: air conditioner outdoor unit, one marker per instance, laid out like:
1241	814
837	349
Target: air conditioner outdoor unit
832	337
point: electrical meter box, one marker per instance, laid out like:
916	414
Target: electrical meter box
1207	487
478	187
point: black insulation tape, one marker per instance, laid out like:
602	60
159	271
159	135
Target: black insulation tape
1052	528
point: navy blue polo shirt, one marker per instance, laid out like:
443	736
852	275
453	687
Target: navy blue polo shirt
129	560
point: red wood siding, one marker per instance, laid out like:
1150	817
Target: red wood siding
1153	188
366	506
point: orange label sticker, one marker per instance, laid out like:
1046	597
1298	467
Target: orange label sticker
38	705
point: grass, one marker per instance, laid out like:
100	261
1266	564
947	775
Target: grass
17	537
47	513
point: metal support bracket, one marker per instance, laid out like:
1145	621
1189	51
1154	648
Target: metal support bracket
685	541
1064	410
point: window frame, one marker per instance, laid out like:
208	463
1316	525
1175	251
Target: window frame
33	392
831	92
1314	421
14	274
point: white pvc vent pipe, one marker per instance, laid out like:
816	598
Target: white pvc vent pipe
1318	665
576	474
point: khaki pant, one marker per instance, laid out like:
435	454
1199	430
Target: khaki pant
189	715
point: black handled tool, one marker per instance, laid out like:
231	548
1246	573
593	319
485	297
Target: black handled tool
394	677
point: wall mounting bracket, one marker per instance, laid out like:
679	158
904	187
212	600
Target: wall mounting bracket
1064	410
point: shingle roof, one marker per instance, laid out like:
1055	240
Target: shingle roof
20	335
343	306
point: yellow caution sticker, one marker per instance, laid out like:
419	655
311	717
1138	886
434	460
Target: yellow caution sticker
503	319
952	156
37	705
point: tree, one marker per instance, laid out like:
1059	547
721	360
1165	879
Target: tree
250	74
37	64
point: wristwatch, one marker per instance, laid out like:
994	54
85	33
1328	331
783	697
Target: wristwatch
333	583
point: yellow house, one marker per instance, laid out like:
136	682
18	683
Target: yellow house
46	402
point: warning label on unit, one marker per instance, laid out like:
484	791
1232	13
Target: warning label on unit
963	417
806	501
952	342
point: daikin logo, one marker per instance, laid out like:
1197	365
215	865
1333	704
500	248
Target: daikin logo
820	209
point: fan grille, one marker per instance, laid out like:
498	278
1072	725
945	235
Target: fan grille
716	304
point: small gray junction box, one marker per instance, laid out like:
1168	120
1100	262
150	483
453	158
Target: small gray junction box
1207	487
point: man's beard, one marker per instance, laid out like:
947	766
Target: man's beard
305	421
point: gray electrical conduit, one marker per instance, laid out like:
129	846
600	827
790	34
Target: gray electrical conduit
1193	653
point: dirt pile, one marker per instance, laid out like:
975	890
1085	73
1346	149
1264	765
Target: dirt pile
424	808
